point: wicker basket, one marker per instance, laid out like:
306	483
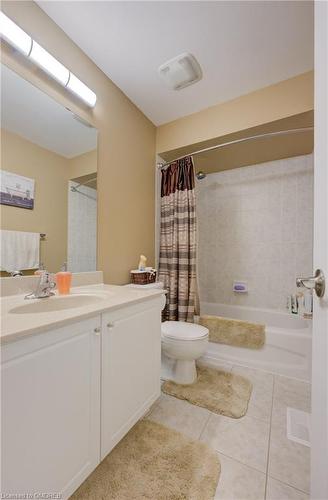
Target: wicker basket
143	277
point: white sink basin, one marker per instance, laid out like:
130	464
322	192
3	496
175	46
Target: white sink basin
58	303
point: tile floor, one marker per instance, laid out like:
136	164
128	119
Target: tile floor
257	460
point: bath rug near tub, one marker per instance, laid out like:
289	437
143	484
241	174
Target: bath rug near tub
218	391
156	463
234	332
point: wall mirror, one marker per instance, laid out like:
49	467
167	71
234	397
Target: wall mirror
48	182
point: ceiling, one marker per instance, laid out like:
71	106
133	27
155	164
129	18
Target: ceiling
241	46
32	114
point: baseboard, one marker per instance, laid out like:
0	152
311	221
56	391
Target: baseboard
220	362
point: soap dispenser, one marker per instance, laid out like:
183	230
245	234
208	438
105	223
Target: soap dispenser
64	280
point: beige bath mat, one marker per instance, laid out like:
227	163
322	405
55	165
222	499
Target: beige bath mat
218	391
156	463
234	332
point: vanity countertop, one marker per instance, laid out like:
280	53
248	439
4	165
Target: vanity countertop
17	324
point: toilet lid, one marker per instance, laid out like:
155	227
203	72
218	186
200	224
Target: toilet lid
181	330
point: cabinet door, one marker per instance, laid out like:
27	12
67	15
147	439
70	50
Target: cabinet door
51	410
131	357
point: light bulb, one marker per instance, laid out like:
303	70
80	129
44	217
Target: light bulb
81	90
14	35
49	63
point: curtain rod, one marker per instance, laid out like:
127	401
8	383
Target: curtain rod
236	141
85	194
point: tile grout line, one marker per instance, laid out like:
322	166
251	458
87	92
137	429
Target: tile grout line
252	418
203	428
276	477
268	421
225	454
239	462
290	486
268	454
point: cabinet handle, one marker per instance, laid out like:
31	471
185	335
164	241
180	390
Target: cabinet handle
110	325
97	331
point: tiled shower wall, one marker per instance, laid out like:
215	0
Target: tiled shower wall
255	224
82	229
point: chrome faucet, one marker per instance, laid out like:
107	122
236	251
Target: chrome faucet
45	285
14	274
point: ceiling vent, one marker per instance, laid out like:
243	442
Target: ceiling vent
180	71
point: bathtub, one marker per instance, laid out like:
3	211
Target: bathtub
287	350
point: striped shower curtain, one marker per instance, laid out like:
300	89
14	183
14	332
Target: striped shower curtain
177	261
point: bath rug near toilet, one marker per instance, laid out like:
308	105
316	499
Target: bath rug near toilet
234	332
156	463
218	391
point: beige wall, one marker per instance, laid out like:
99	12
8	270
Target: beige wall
282	100
126	144
82	165
254	151
50	204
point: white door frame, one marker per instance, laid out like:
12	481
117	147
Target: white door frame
319	434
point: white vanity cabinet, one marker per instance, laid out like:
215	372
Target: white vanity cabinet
70	394
51	410
131	359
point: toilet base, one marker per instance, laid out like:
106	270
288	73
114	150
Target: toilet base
179	371
185	372
167	367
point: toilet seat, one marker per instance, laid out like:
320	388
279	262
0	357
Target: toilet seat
180	330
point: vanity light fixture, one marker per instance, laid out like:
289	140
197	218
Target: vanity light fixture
22	42
80	89
14	35
49	64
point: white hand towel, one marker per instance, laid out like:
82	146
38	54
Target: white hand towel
19	250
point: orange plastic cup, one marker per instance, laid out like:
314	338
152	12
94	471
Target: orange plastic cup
64	280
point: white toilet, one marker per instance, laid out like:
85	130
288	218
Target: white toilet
182	344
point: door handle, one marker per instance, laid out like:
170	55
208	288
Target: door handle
316	282
110	326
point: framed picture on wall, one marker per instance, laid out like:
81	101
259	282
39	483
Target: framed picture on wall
16	190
